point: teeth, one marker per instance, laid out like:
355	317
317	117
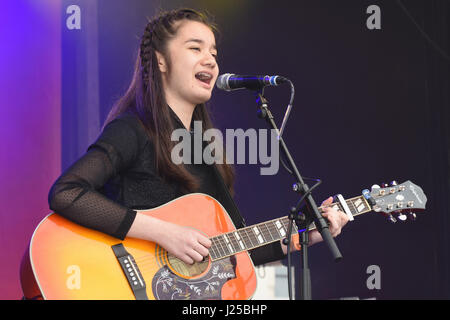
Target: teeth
203	75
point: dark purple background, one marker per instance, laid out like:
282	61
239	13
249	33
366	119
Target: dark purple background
370	107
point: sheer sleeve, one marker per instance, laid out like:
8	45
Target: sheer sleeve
74	195
268	253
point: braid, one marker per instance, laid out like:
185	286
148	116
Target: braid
159	29
151	38
146	51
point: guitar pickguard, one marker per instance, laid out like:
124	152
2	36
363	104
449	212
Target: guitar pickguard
168	286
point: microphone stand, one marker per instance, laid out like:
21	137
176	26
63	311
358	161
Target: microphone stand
311	214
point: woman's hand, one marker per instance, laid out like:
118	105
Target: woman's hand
187	244
336	221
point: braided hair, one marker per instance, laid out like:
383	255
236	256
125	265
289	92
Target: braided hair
145	97
161	28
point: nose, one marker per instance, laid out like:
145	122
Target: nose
209	60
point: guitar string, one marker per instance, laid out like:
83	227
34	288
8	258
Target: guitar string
148	262
247	239
149	258
175	262
219	240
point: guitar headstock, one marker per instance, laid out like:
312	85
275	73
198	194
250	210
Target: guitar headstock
397	199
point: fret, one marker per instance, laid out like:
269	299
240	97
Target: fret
241	243
352	207
272	230
343	205
274	226
253	238
280	228
357	204
246	238
213	251
269	232
286	224
233	242
220	248
258	234
228	244
225	246
365	207
360	205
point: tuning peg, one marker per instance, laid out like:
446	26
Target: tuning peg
401	216
393	183
392	219
412	216
375	186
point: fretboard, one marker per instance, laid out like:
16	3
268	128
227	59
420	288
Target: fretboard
258	235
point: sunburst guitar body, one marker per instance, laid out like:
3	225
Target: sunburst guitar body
69	261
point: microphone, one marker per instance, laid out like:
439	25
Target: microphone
230	82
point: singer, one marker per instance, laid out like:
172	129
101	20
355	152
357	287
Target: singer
129	168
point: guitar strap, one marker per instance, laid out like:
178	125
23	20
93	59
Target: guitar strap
228	201
226	198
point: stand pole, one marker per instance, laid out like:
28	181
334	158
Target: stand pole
305	293
311	212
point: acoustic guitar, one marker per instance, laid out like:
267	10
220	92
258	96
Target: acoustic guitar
68	261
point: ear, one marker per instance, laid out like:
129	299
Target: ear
162	64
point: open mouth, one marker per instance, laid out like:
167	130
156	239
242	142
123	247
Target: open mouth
204	77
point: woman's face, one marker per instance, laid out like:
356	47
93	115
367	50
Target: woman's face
191	71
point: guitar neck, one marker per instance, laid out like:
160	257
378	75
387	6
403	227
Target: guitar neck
261	234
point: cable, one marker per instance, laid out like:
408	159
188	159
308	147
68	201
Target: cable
289	232
288	110
424	34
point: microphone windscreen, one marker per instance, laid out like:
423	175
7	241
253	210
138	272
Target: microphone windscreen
222	81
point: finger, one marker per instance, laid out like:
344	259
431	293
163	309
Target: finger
334	226
204	241
186	259
195	256
204	252
328	201
344	218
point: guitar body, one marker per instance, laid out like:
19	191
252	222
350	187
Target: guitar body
69	261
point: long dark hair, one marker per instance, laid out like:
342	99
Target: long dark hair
145	98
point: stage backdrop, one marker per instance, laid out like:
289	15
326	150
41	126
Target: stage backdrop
30	125
371	103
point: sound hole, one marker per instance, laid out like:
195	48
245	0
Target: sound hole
187	270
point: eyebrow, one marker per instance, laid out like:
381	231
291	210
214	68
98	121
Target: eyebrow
199	41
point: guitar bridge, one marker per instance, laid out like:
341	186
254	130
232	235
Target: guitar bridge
131	271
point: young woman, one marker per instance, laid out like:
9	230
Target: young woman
129	166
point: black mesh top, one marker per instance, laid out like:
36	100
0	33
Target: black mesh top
118	174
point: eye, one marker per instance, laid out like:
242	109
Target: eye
195	48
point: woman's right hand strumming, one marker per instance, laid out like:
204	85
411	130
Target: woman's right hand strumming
187	244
